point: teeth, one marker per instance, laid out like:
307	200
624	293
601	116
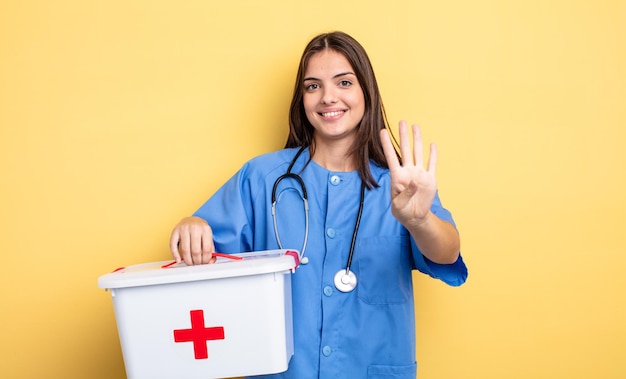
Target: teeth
331	114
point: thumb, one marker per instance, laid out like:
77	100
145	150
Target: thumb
174	239
409	191
404	197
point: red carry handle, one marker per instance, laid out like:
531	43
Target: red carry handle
233	257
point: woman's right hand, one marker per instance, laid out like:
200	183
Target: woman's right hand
192	241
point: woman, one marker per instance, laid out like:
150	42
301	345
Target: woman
368	211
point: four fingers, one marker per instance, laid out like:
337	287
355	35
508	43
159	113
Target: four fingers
411	156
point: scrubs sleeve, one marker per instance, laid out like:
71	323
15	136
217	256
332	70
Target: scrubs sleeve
229	213
453	274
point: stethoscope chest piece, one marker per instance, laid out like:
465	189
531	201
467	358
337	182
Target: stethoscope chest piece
345	280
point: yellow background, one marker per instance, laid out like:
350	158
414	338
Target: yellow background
120	117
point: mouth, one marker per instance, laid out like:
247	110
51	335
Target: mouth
331	114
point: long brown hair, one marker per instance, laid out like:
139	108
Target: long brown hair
367	144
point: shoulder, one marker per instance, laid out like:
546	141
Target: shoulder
269	163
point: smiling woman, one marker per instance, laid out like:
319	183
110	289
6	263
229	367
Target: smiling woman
339	148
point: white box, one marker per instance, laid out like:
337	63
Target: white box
231	318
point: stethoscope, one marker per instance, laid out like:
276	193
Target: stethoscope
345	280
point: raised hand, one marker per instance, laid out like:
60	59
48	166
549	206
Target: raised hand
413	187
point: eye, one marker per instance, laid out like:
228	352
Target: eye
311	86
345	83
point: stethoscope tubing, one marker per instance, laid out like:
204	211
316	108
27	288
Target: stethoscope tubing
356	228
345	280
305	199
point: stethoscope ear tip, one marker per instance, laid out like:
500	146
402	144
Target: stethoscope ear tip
304	260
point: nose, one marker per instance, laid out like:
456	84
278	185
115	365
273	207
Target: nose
329	96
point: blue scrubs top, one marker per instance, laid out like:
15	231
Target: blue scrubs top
366	333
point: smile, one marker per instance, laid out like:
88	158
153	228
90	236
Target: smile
332	114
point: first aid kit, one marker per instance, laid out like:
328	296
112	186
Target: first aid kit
227	319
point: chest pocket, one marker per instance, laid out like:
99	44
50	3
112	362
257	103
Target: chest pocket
383	268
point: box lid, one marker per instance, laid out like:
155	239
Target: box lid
243	264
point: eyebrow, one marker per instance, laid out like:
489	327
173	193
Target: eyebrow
334	77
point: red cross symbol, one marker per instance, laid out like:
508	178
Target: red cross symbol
198	334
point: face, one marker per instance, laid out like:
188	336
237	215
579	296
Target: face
333	98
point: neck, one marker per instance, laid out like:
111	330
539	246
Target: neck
334	158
